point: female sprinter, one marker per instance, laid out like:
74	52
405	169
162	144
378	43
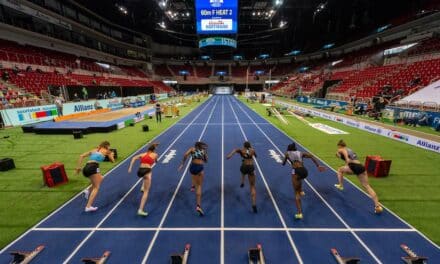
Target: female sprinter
91	171
247	153
199	157
299	172
353	166
148	159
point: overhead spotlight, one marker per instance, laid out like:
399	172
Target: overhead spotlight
278	2
163	4
282	24
187	14
122	9
253	13
162	25
258	13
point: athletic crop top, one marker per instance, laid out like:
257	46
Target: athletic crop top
295	156
198	154
351	155
97	156
146	159
246	155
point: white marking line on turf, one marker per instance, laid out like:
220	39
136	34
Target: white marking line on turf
162	221
80	193
320	196
357	187
228	229
222	221
289	236
68	259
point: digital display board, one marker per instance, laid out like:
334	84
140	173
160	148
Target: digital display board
217	41
216	16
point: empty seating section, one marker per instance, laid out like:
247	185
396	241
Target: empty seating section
404	78
162	70
178	69
265	69
222	68
239	71
356	79
35	82
132	71
204	71
426	46
283	69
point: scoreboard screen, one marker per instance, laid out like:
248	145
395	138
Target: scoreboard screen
216	16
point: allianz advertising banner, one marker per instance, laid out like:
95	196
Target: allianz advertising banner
28	115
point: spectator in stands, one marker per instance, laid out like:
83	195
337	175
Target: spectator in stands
415	81
359	109
158	113
113	95
97	105
5	76
76	97
29	68
59	100
379	105
85	94
16	70
419	119
39	71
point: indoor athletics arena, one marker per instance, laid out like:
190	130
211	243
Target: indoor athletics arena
219	131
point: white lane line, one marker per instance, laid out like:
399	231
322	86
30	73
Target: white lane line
222	221
289	236
357	187
80	193
67	260
162	221
209	229
320	196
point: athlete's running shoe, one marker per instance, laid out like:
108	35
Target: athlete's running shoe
298	216
302	193
90	209
142	213
200	210
378	209
242	185
193	188
339	187
254	209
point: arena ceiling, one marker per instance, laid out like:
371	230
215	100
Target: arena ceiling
307	25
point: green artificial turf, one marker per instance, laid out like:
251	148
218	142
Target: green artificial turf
424	129
412	188
23	198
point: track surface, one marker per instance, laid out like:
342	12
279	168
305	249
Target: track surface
344	220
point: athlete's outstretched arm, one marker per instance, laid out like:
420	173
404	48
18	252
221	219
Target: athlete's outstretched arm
81	157
309	156
133	160
232	153
185	156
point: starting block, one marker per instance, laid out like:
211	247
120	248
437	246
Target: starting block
181	258
256	256
100	260
24	257
412	257
342	260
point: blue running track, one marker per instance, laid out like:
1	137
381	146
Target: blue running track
344	220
